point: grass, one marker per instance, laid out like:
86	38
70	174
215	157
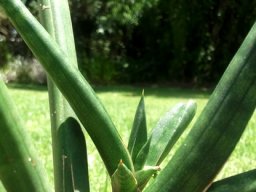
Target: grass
121	103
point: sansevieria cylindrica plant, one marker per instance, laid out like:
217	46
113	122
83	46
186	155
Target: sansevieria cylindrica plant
136	167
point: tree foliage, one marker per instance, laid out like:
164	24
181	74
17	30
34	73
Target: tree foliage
152	40
191	41
101	28
11	44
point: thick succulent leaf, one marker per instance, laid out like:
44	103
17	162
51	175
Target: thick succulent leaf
168	130
138	135
55	17
140	160
244	182
144	175
217	130
72	84
74	159
20	169
123	180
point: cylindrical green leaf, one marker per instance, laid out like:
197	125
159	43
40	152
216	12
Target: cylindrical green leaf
217	130
72	84
243	182
74	157
20	169
138	135
55	17
142	156
168	130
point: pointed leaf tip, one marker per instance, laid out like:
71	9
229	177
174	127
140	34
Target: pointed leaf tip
145	174
138	136
168	130
123	179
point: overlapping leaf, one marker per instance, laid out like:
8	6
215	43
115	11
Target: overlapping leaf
74	158
138	135
243	182
123	180
218	128
168	130
72	84
20	169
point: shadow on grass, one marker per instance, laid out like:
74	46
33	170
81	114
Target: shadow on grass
156	91
28	87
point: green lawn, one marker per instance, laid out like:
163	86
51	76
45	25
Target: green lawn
121	104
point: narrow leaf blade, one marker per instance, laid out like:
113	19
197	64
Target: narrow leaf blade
55	17
141	158
138	135
217	130
20	169
76	177
168	130
244	182
72	85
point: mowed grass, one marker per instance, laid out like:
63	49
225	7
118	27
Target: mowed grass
121	103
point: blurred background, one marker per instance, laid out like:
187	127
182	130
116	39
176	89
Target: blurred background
166	42
169	47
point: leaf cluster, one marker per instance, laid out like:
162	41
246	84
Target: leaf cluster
193	166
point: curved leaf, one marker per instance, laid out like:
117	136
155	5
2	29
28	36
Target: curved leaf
138	135
218	128
20	169
144	175
142	156
168	130
72	84
74	157
243	182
